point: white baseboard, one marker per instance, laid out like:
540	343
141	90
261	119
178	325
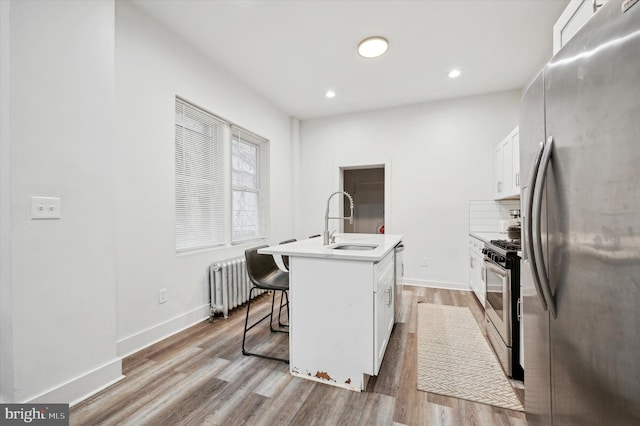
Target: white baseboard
92	382
437	284
83	386
135	342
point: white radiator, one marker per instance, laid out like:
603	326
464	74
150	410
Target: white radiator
229	284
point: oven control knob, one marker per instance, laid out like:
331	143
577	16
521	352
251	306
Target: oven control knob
484	251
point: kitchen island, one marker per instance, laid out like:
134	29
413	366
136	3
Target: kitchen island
341	306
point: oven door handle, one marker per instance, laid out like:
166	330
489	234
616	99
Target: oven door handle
528	228
498	270
537	228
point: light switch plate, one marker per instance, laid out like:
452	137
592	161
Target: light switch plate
45	208
163	296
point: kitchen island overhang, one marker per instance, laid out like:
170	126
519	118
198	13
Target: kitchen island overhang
341	306
313	247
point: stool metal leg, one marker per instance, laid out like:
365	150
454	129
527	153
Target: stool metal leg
247	328
273	299
283	296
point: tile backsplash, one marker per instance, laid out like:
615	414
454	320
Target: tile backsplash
486	215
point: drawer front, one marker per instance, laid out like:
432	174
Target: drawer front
386	262
384	273
476	245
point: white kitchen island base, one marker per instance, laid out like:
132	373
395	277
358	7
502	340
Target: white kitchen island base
341	313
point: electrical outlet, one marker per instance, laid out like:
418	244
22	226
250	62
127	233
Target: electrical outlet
425	262
163	296
45	208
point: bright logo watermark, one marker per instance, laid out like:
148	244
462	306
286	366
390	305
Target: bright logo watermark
34	414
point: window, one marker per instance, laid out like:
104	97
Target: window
205	217
247	221
199	166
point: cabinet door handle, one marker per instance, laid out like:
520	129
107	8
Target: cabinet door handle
596	5
390	291
471	261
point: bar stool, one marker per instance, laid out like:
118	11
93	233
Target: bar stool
264	275
285	259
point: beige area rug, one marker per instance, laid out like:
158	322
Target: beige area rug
454	359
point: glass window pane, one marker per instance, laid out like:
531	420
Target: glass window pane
244	164
245	215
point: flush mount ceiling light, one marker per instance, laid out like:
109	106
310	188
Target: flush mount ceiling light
330	94
372	47
454	73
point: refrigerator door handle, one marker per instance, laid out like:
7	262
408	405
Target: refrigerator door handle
537	222
528	226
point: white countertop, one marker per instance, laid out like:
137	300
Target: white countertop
313	247
488	236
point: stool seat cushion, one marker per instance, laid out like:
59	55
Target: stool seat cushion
278	280
264	272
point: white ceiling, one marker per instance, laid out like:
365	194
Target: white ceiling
292	52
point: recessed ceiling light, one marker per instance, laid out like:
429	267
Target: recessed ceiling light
454	73
372	47
330	94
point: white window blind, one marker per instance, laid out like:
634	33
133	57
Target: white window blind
248	185
199	169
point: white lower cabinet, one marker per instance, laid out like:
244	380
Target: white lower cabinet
476	269
383	308
341	318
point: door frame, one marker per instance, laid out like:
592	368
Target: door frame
338	176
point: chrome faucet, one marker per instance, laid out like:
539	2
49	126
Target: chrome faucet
327	236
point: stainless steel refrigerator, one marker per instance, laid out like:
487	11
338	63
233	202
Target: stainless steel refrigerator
580	162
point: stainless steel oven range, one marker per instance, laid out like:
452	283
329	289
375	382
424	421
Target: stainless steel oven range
502	276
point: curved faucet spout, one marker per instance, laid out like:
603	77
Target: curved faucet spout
327	236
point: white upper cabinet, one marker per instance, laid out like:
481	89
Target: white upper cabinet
506	167
515	141
498	172
574	16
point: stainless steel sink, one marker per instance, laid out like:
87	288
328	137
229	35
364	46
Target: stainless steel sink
355	247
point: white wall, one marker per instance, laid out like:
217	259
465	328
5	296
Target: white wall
441	156
59	334
87	115
6	310
152	67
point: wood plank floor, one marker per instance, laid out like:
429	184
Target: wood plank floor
200	376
